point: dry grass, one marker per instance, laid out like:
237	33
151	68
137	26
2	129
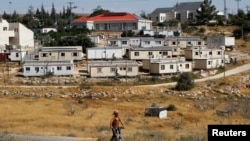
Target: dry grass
44	116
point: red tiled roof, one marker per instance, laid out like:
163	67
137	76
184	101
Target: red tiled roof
81	19
122	16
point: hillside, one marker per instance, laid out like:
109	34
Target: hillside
62	107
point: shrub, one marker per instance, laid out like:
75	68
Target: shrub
185	82
171	107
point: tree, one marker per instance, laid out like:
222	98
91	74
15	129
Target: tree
53	13
98	10
128	33
143	15
206	12
185	82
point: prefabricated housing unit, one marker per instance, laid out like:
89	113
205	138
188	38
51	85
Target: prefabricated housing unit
104	53
183	41
60	53
136	42
167	65
153	53
110	68
221	41
44	68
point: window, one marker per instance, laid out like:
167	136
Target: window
165	53
16	30
190	16
210	53
147	42
150	53
44	54
75	54
173	43
199	43
219	53
137	54
17	54
37	69
209	62
68	68
134	25
189	43
99	70
180	65
59	68
4	28
97	26
158	42
129	69
124	42
112	69
162	67
178	16
196	53
171	67
62	54
187	66
27	69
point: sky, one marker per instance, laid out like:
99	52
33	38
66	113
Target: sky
131	6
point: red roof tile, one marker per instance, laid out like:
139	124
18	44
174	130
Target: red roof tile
81	19
113	17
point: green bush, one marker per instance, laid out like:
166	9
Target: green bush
185	82
171	107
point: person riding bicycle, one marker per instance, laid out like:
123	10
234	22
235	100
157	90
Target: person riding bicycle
114	123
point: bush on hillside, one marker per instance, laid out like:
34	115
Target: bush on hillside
185	82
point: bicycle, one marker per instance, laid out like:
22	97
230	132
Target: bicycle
117	136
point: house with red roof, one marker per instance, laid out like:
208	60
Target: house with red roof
118	21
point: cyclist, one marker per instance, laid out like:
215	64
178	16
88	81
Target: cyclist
114	123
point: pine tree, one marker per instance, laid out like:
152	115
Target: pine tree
206	12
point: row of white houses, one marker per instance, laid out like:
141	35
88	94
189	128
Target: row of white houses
109	61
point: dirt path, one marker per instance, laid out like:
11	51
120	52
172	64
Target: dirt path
49	138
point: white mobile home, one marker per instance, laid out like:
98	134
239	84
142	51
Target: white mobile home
166	33
153	52
121	68
170	66
60	53
104	53
206	58
44	68
220	41
184	42
136	42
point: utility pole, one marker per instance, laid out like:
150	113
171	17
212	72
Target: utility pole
70	10
247	7
225	9
10	6
237	5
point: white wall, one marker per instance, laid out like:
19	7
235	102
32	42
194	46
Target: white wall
104	53
5	34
